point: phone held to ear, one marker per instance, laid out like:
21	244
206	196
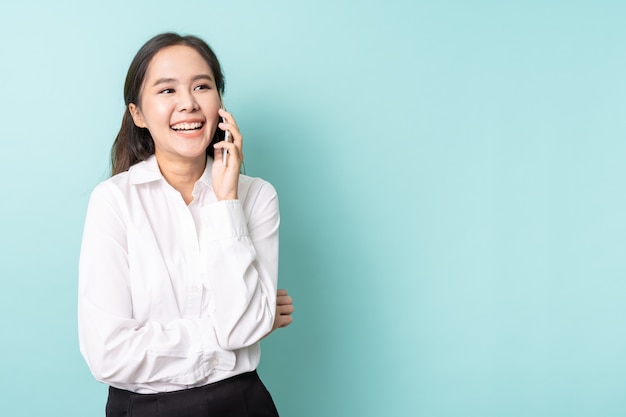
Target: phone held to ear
226	139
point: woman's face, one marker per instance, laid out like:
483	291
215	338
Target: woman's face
178	104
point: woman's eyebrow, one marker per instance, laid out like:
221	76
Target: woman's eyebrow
202	77
170	80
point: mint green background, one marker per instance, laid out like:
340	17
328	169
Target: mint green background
452	192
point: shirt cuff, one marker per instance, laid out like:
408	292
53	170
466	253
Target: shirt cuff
224	220
214	358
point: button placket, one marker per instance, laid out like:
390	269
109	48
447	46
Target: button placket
193	286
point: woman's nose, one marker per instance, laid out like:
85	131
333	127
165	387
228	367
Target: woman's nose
186	102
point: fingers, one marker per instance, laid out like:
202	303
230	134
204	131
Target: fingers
229	124
282	321
234	145
285	309
283	300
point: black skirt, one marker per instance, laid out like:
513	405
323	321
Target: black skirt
242	395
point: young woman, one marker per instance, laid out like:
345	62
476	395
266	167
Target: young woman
179	261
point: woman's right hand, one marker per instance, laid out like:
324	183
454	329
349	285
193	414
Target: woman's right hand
284	310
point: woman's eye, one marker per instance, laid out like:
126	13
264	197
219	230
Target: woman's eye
203	87
166	91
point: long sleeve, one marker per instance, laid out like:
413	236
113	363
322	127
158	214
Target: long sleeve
172	296
244	256
118	347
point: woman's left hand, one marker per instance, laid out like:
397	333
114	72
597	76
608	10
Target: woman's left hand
226	178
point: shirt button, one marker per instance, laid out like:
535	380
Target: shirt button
195	288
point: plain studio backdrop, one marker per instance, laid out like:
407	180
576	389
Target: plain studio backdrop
451	177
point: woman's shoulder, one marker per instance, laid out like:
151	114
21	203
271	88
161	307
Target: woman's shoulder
255	185
139	173
258	196
118	181
110	191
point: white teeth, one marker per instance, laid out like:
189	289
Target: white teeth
187	126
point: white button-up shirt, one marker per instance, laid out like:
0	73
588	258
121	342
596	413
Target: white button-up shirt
174	296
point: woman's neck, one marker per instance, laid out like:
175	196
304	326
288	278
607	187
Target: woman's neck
182	174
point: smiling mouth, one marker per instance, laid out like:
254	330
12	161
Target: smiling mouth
187	127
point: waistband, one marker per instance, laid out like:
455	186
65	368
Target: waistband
234	396
121	393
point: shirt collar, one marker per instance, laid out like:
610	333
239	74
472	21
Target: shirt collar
207	177
148	171
145	171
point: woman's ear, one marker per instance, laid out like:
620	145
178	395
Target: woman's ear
134	111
